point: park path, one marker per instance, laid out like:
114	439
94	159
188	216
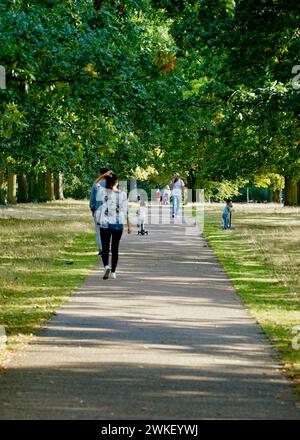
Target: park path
169	339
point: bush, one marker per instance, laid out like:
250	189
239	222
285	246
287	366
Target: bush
77	188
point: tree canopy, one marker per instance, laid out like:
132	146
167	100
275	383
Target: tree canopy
195	86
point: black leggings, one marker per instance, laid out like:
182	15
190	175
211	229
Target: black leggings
114	235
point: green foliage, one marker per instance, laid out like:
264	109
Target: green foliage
76	188
241	113
207	84
271	180
77	80
220	191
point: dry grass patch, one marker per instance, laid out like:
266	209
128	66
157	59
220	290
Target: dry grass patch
38	243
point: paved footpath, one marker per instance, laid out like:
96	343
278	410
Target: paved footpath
169	339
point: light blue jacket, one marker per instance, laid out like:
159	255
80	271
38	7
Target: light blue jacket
94	204
227	211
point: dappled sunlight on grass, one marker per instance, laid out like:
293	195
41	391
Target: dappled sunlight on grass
262	257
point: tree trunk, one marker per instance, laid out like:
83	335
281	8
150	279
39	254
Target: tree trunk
49	186
42	192
271	195
277	196
98	4
2	197
291	192
191	180
22	196
33	188
12	188
287	191
59	186
298	198
248	194
295	193
37	188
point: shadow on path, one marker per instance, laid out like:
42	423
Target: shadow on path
169	339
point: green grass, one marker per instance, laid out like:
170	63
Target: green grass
262	257
47	250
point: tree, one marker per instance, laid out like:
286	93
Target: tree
239	59
194	86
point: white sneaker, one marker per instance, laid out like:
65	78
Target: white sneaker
113	275
106	272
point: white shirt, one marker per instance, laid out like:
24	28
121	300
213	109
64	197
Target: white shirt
113	209
142	213
177	187
167	192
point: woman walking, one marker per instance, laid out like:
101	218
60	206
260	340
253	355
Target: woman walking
94	204
111	216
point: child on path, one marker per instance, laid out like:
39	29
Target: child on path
227	214
141	215
158	195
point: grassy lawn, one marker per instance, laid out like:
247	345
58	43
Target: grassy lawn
262	257
46	251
